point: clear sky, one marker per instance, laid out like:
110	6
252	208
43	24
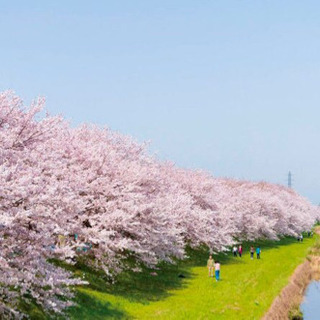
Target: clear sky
229	86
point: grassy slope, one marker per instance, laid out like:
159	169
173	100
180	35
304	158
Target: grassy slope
246	290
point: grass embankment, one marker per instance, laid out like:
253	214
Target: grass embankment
287	303
246	290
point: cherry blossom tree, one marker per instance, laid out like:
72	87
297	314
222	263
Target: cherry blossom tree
24	211
87	191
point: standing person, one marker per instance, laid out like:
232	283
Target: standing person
240	251
234	250
251	252
210	265
217	270
61	240
258	251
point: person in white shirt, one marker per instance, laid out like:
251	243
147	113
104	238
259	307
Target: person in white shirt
234	250
210	265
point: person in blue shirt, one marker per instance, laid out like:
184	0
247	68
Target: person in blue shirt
258	251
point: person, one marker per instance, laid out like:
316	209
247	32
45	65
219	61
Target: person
87	246
61	240
301	237
251	252
210	265
258	251
234	250
217	270
240	251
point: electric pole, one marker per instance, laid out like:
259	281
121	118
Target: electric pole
289	180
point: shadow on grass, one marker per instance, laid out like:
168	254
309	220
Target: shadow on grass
32	310
87	307
140	287
143	287
90	308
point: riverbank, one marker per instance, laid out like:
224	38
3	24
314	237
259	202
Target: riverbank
286	305
247	289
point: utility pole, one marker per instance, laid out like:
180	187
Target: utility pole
289	180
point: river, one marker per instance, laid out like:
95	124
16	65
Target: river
310	306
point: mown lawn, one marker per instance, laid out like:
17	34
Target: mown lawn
246	290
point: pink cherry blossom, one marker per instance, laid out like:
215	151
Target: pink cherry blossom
87	191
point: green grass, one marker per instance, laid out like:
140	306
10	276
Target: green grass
246	290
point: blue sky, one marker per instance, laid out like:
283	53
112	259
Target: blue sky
227	86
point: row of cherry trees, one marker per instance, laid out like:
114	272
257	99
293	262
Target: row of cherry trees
57	181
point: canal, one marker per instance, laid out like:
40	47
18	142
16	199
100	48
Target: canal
310	306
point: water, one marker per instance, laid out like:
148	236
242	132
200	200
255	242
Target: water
310	307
